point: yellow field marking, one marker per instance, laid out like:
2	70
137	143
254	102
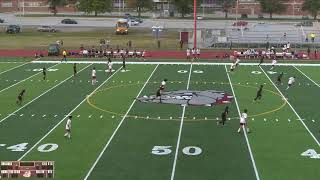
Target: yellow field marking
88	99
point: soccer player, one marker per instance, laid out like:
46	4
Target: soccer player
279	78
64	53
123	63
193	51
188	54
74	69
291	82
273	64
198	53
237	62
163	85
20	97
68	128
44	72
261	60
94	76
110	67
224	116
259	94
158	95
232	67
243	121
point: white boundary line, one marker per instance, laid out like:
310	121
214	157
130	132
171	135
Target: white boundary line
25	79
244	131
14	62
306	76
180	131
39	96
14	68
48	133
292	108
182	63
119	125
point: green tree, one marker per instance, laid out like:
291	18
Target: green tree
95	6
227	5
53	4
272	6
140	5
312	6
184	7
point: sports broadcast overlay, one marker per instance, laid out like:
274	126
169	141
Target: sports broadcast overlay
26	169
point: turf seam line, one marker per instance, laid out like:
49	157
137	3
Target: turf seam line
25	79
65	116
244	130
39	96
118	127
14	68
180	131
181	63
306	76
292	108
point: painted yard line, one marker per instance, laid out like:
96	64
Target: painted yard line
180	131
307	76
301	120
119	125
65	116
14	68
13	62
24	79
40	96
180	63
244	130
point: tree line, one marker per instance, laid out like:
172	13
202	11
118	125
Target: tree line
184	7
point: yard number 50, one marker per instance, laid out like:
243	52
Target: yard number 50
165	150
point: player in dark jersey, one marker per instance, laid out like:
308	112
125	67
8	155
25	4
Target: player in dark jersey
44	72
259	94
279	78
74	69
261	60
20	97
224	116
158	95
123	63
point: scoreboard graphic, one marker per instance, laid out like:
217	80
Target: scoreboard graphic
26	169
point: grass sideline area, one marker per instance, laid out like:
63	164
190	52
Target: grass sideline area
115	136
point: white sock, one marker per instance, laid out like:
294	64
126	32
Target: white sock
66	134
239	129
69	135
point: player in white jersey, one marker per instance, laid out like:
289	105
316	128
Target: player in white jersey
291	82
198	53
188	53
237	62
110	67
232	67
93	76
68	128
243	121
163	85
274	62
193	51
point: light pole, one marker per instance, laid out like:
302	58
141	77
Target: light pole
195	23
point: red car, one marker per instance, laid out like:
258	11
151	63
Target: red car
240	23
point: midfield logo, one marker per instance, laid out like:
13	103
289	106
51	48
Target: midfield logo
193	98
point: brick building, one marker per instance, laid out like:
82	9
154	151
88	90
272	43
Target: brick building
252	7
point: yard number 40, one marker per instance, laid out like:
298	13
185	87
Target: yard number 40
165	150
311	153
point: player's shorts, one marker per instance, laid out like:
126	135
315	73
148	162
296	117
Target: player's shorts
158	94
94	77
290	84
242	124
279	80
68	130
20	98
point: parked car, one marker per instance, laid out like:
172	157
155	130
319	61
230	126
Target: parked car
1	20
54	50
308	23
69	21
240	23
46	29
13	29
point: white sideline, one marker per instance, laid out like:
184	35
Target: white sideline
180	131
14	68
182	63
292	108
118	127
307	76
38	97
244	130
25	79
48	133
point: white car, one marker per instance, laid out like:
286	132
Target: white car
133	22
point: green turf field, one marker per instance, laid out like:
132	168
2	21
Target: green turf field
117	137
